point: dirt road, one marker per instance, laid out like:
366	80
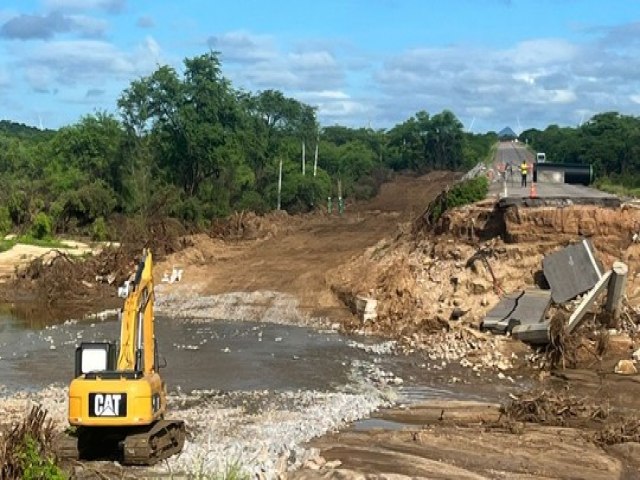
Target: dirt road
296	261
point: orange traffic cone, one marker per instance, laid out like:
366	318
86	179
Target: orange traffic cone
533	193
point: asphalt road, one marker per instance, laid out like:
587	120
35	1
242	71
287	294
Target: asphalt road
510	191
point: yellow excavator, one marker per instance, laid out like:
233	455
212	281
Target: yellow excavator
117	400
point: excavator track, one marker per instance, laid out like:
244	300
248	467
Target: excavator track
67	447
164	439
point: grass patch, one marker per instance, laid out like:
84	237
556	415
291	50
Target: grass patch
48	242
607	185
8	244
231	471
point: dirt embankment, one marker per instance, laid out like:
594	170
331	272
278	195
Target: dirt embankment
477	254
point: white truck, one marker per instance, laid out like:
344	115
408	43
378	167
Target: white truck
540	157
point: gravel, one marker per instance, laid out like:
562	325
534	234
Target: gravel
263	432
260	306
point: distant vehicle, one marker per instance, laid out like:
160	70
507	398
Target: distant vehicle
540	157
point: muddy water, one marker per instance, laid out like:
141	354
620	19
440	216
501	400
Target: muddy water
236	356
225	356
222	355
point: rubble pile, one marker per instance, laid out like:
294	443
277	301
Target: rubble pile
60	277
435	280
461	345
423	286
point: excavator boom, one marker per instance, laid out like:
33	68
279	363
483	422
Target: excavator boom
137	336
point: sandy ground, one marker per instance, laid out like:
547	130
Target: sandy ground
463	440
22	254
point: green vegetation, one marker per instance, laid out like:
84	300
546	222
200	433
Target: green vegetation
48	242
606	184
467	192
463	193
190	146
36	466
608	141
26	451
233	470
41	227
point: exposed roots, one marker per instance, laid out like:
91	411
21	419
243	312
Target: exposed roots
62	277
551	408
562	349
627	431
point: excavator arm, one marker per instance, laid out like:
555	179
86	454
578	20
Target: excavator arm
137	335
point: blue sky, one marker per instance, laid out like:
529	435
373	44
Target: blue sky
522	63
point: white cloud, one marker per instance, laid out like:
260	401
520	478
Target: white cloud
112	6
526	77
243	47
480	111
71	62
38	77
337	106
312	60
90	26
541	51
328	94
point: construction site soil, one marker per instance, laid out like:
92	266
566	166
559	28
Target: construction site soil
433	286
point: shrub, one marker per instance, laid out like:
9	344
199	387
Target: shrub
252	201
99	230
26	449
5	221
469	191
35	465
41	227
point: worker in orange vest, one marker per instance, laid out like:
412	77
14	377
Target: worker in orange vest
524	169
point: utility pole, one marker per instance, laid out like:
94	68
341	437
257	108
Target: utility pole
303	157
279	182
315	158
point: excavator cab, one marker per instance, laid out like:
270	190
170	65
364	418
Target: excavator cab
117	400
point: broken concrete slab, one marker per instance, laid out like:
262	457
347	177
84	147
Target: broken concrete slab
571	271
366	308
520	308
497	319
533	333
578	314
532	307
